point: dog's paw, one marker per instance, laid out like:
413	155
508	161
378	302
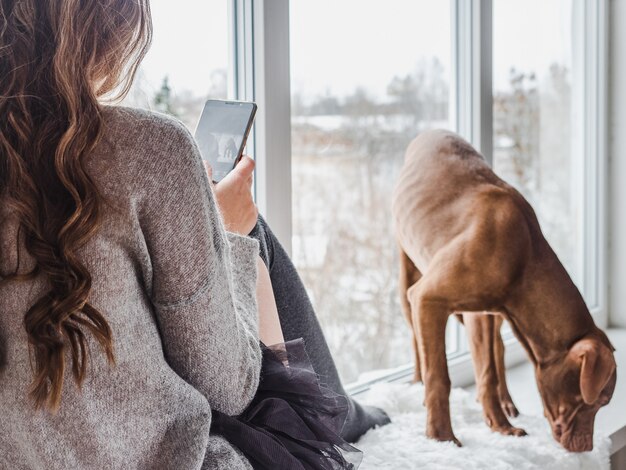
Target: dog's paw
511	431
444	437
509	408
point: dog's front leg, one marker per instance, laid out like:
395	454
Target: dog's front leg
430	317
481	332
506	402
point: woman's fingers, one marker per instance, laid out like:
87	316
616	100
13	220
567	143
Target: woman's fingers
245	167
234	198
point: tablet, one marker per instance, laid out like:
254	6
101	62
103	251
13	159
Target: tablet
222	133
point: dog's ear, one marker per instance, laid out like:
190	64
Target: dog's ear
597	366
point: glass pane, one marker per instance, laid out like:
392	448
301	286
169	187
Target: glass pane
188	60
533	115
363	86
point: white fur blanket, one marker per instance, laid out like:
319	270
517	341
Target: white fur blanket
402	444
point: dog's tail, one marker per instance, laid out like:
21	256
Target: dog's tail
409	275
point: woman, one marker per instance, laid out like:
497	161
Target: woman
130	319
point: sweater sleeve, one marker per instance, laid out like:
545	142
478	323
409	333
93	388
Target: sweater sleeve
203	284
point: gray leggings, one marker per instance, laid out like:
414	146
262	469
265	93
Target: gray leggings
298	320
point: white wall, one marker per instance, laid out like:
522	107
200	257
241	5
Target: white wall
617	165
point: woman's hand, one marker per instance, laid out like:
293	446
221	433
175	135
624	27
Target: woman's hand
234	197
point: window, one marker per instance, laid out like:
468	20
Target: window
340	96
549	105
534	121
188	61
359	93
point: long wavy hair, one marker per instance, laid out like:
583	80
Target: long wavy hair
58	59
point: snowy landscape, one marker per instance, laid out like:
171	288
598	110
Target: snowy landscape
349	133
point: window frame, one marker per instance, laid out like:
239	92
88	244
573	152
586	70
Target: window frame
593	18
260	71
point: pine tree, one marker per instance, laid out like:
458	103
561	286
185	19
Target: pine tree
163	98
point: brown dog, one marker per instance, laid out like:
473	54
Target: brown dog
475	246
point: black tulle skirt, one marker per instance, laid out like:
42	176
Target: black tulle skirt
293	423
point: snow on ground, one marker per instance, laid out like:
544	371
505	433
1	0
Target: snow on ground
402	445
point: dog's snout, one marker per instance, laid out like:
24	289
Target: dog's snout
558	430
579	443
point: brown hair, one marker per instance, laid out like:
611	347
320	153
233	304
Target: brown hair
57	58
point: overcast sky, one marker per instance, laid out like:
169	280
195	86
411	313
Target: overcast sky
337	45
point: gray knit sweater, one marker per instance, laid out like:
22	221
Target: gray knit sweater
179	294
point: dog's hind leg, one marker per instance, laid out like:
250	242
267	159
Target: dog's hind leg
430	317
409	275
481	332
506	402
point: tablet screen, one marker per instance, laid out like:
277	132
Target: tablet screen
221	133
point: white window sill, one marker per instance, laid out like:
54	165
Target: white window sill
459	367
611	419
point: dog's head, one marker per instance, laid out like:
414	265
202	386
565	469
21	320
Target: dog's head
574	387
